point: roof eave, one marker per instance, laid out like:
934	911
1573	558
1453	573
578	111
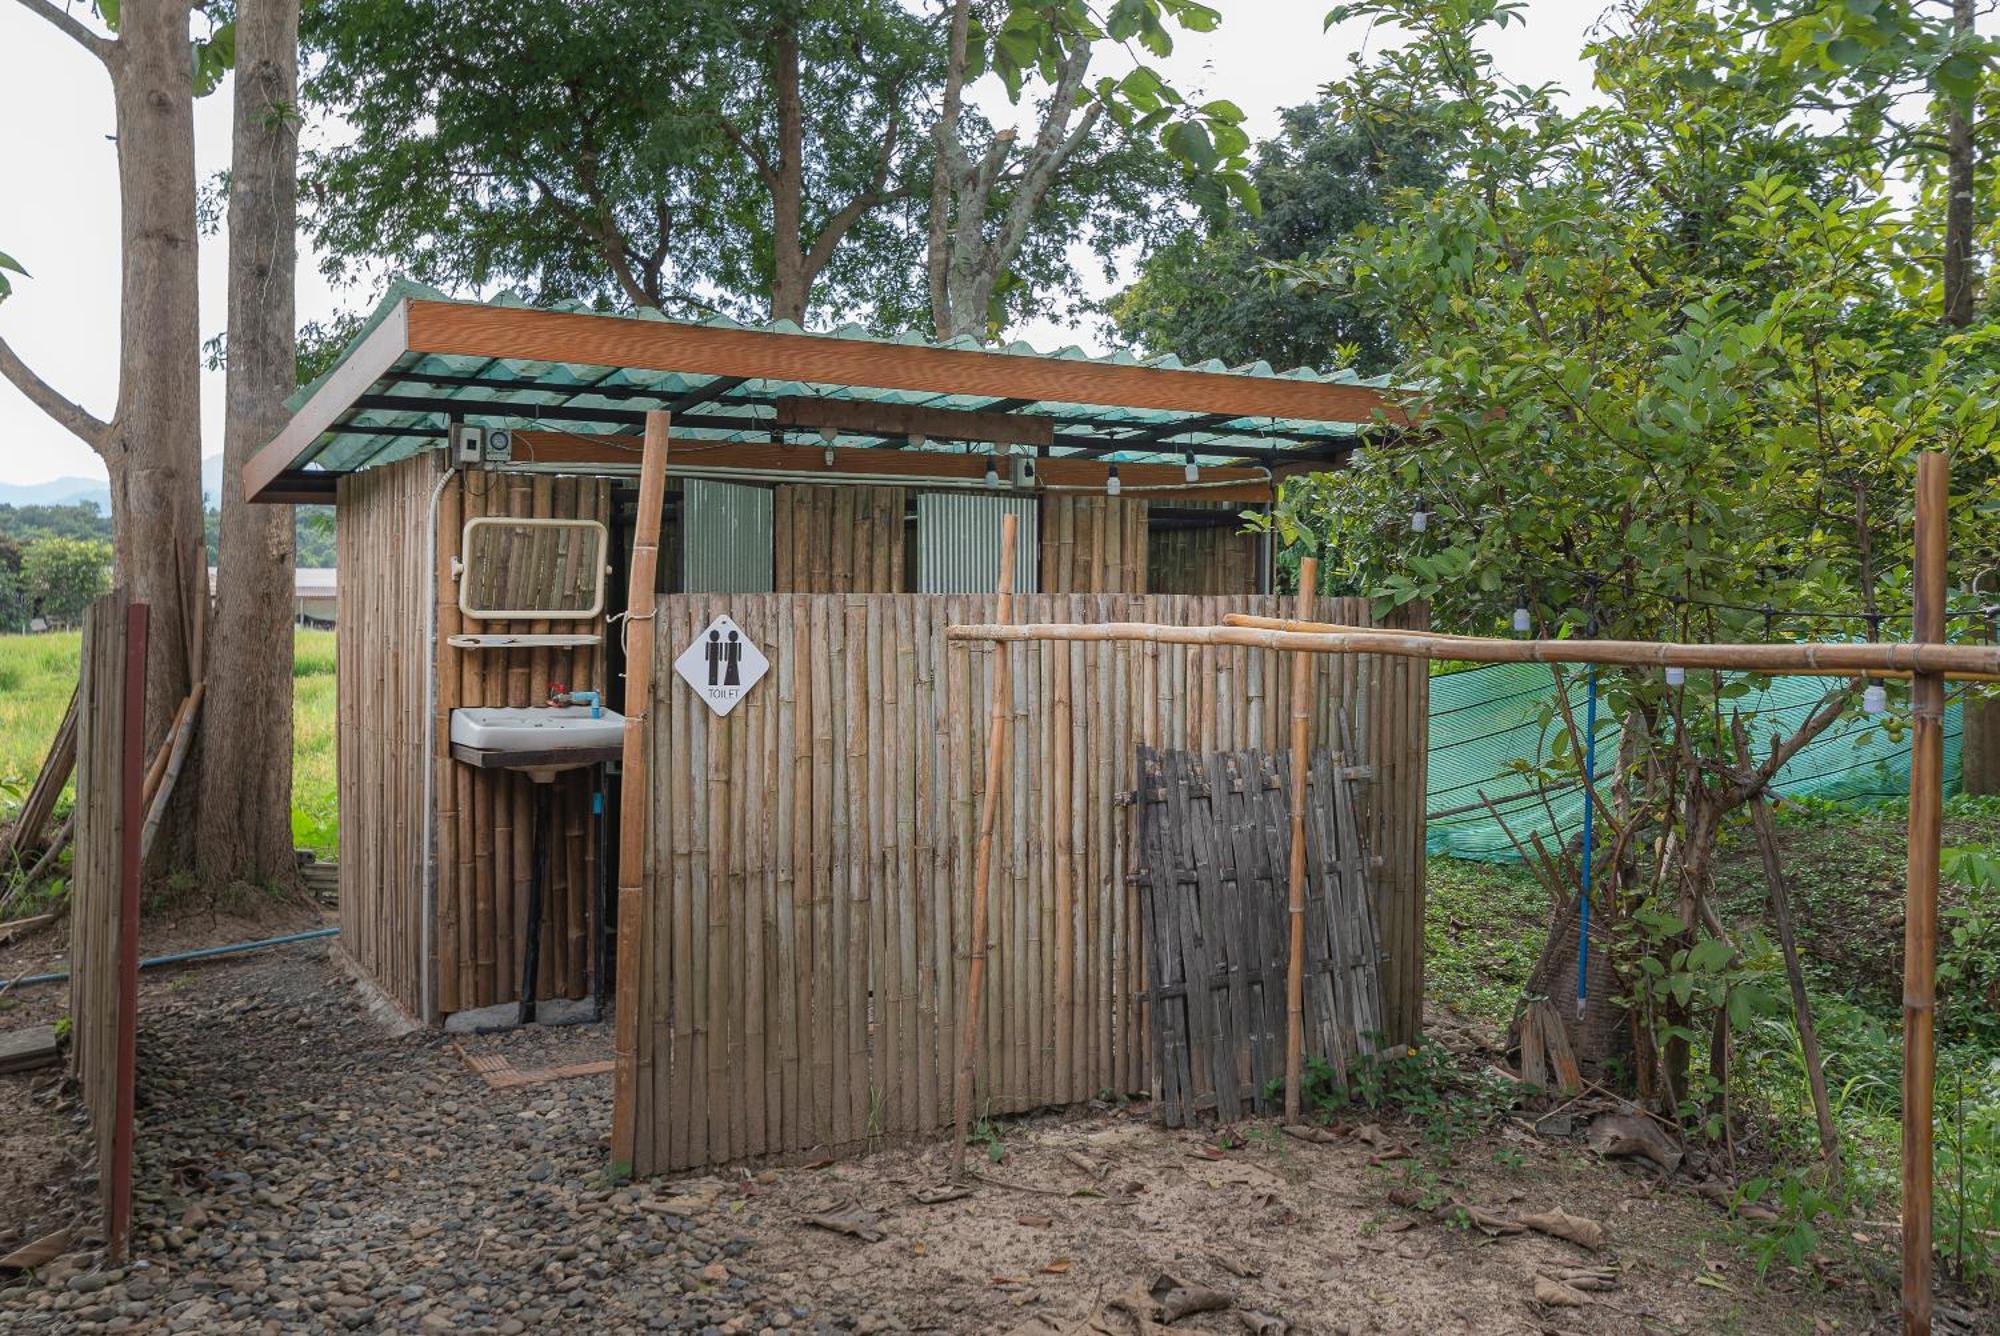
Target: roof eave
292	447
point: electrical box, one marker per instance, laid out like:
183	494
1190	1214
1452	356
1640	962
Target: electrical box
499	445
1021	471
468	445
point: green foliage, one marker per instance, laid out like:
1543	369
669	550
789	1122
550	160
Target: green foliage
60	577
1221	293
1423	1086
9	265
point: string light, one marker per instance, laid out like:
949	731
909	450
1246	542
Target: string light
918	440
828	434
1523	622
1420	519
992	472
1676	675
1874	700
1111	483
1191	471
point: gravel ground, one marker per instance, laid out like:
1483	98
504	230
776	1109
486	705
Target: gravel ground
300	1170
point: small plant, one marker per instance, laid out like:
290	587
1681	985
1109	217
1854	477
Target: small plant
986	1133
1797	1201
62	1028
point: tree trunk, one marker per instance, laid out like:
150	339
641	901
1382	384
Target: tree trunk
244	831
153	446
788	269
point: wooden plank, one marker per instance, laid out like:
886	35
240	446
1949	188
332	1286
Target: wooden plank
875	417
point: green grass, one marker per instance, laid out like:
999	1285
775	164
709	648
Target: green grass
37	674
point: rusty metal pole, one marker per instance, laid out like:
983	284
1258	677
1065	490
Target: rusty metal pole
1920	909
1295	969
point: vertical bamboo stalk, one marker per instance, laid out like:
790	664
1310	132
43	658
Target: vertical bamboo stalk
641	606
1295	977
1920	911
982	862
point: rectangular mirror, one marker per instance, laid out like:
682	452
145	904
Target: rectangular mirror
532	570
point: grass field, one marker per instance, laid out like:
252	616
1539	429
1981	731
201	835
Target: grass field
37	674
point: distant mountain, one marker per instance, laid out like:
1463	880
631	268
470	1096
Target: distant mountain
69	491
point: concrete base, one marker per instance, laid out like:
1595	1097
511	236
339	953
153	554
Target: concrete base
506	1016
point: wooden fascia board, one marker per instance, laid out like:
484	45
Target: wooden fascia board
656	345
360	369
566	449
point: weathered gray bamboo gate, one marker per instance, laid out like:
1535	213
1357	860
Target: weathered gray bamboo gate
804	939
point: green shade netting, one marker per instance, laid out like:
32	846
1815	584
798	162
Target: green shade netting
1483	720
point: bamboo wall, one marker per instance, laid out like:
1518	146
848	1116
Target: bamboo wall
1094	545
1218	560
379	672
828	540
104	888
483	833
805	938
485	827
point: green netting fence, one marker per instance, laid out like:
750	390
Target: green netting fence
1485	720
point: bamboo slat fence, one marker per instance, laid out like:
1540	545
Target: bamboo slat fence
803	939
1096	545
104	911
827	540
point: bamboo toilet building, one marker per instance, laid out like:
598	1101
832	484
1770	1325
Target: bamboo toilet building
645	697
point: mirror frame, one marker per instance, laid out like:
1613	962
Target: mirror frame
531	614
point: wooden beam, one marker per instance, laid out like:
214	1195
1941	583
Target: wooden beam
1859	658
635	801
472	330
886	419
1920	910
361	368
586	451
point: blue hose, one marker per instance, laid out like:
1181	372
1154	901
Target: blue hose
181	957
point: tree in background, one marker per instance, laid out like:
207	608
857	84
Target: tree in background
1226	291
244	830
1671	354
14	606
151	444
736	158
61	577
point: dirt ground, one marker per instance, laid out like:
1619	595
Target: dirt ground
299	1169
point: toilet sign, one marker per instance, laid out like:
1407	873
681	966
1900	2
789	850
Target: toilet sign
722	665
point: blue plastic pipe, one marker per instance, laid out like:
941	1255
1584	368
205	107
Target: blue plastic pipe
1589	811
182	957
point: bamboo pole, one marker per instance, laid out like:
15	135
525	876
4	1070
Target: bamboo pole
163	791
1295	969
641	606
982	863
1920	910
1854	659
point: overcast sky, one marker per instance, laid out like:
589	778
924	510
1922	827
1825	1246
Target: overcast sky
59	209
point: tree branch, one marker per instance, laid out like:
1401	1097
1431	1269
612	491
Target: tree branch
69	23
73	417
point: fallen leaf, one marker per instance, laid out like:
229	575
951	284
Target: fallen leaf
1057	1267
1555	1294
855	1221
943	1192
1561	1224
1034	1221
1319	1136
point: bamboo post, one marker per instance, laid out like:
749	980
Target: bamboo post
1920	910
982	862
1295	969
635	796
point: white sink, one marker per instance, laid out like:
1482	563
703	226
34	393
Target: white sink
536	728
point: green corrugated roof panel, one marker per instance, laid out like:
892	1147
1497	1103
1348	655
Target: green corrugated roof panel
351	445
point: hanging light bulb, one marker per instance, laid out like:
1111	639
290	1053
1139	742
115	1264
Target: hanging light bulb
992	472
828	434
1676	675
1875	700
918	440
1111	483
1192	470
1523	622
1420	519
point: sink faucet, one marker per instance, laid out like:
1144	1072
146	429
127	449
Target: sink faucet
562	695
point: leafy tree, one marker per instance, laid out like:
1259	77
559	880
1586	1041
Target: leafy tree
1670	357
692	158
14	605
1223	292
61	576
80	520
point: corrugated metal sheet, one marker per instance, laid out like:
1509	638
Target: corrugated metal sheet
725	538
958	541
